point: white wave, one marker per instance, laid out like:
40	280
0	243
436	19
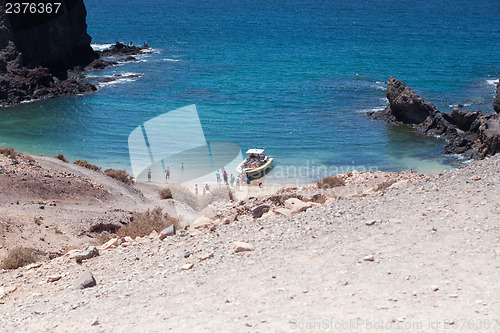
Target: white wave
150	50
492	82
379	87
118	78
376	109
100	47
461	105
168	59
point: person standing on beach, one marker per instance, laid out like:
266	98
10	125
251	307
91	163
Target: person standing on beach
207	188
225	177
182	166
217	174
196	189
149	175
167	173
231	180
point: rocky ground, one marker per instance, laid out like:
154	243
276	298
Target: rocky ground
403	253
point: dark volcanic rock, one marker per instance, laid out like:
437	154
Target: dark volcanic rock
119	49
473	134
496	102
37	50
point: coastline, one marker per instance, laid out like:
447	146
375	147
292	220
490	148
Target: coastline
398	248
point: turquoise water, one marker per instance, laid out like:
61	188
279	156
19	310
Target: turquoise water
277	75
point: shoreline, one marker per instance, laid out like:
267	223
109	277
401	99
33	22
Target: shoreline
399	249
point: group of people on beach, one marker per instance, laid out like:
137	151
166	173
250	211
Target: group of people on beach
228	179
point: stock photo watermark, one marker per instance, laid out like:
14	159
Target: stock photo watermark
360	325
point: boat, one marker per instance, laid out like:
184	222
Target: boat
256	164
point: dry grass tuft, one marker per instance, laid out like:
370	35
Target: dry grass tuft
143	224
62	158
18	257
87	165
120	175
9	152
329	182
165	193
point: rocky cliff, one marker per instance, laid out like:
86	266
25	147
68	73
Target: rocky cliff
472	134
38	50
496	102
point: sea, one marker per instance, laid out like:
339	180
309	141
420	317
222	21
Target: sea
295	78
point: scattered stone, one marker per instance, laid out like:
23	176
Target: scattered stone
170	231
370	257
128	239
42	207
435	288
33	265
260	210
330	201
206	256
242	247
187	267
113	242
86	280
371	222
153	234
90	252
283	211
201	223
7	290
53	278
297	205
475	178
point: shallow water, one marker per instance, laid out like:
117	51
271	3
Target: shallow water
293	77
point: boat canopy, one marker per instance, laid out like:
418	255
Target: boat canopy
255	151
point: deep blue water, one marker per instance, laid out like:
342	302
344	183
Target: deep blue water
294	77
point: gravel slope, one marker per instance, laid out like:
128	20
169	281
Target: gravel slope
423	256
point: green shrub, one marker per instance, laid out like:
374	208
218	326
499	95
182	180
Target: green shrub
329	182
18	257
86	164
120	175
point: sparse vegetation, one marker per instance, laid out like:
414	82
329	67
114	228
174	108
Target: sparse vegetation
165	193
87	165
58	231
18	257
120	175
38	220
329	182
9	152
143	224
103	237
384	185
62	158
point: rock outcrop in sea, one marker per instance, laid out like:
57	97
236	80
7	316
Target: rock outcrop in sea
471	134
42	55
38	53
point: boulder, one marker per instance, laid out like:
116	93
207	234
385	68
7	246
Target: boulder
260	210
89	252
242	247
296	205
86	280
201	223
170	231
283	211
113	242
